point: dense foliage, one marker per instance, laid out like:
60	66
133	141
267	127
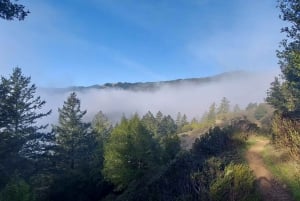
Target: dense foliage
284	94
10	10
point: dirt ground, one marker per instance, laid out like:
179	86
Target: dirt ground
270	189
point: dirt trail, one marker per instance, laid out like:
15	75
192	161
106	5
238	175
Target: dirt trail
271	190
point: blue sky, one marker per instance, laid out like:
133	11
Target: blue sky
86	42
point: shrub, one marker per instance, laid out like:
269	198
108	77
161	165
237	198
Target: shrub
16	190
236	184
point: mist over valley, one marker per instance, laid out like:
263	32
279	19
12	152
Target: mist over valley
189	96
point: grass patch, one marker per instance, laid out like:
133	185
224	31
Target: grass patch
283	168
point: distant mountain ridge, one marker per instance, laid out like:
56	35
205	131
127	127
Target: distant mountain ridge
153	86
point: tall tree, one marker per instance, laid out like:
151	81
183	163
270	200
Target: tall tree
20	111
211	115
10	10
130	153
102	126
20	105
72	134
288	92
224	106
166	126
150	123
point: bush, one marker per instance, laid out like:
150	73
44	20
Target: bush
16	190
236	184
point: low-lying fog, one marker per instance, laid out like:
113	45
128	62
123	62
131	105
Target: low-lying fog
193	100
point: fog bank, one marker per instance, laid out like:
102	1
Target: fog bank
193	100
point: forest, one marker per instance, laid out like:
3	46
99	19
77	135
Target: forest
154	156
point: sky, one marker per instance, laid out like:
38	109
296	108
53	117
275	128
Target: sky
87	42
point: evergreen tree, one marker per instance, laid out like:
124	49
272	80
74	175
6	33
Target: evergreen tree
130	153
285	96
79	155
159	116
178	119
236	108
72	135
150	122
19	106
17	190
167	126
224	107
181	121
102	126
19	114
211	115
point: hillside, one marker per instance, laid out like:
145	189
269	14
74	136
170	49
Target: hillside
153	86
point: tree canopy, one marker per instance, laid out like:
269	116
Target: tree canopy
285	95
10	10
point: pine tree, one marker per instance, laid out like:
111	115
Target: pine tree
72	134
285	96
130	153
150	123
19	106
19	113
224	106
167	126
276	97
101	126
211	115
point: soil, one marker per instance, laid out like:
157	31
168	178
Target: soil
270	189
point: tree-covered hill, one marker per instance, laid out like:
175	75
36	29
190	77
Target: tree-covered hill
153	86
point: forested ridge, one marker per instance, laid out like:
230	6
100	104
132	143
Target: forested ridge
153	156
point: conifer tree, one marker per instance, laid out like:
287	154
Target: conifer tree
130	153
224	106
72	136
19	113
285	96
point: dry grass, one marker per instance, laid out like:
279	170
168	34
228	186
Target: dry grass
284	168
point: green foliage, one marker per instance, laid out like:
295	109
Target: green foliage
151	123
79	185
19	106
285	96
236	184
130	153
170	147
286	134
10	10
251	106
19	112
101	126
211	116
72	136
275	96
284	167
212	142
17	190
166	126
224	107
261	111
181	121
